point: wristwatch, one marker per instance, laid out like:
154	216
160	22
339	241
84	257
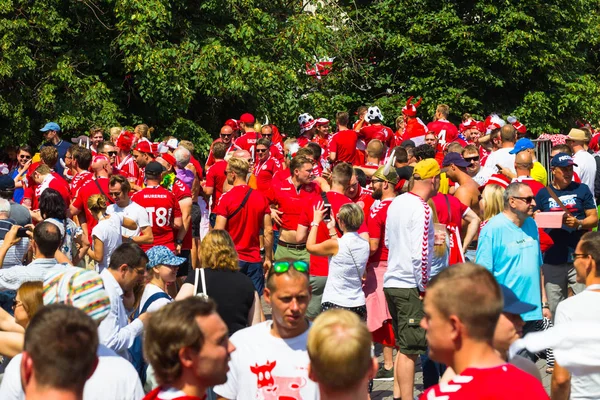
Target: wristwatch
314	224
178	241
579	224
545	305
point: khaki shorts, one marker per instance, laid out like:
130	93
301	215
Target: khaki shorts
284	253
317	284
407	311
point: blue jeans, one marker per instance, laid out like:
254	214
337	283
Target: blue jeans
254	271
432	371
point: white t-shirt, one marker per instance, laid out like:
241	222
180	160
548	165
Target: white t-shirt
500	157
132	211
114	378
149	290
108	231
346	269
584	307
586	168
263	366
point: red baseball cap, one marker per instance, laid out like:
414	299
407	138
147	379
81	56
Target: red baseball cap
143	146
233	124
247	118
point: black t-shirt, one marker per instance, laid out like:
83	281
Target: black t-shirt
233	292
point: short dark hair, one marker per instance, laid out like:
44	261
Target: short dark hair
120	179
315	148
52	205
563	148
401	154
25	148
127	253
264	142
219	150
342	118
47	238
361	177
424	151
342	174
297	163
170	329
62	341
83	157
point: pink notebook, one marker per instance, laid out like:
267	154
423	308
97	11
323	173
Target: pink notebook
549	219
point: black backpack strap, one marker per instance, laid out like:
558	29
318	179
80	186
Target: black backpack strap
102	192
241	205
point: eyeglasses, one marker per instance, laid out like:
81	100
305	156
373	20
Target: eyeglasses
527	199
261	150
25	157
16	303
471	159
283	266
580	255
266	134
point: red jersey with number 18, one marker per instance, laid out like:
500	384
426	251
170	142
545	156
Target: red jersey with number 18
162	208
504	382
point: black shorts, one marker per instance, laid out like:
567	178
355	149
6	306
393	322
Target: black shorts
196	219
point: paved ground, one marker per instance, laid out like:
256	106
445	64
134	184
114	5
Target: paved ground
383	390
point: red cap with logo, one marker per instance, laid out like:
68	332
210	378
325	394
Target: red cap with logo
247	118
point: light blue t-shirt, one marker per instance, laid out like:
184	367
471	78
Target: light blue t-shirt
513	255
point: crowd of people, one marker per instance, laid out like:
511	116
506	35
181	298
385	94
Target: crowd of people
129	270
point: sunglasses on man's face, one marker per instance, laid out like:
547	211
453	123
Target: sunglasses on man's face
472	159
226	136
261	150
110	153
527	199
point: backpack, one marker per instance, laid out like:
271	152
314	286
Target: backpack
136	351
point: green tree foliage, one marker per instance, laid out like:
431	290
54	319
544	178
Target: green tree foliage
185	66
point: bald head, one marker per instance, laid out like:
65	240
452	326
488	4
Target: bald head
100	166
226	130
523	163
242	154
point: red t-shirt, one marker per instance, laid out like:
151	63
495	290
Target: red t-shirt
323	144
215	178
141	178
343	144
281	176
128	168
380	132
52	181
181	191
244	227
162	208
198	167
376	224
264	171
248	142
319	266
504	382
79	180
457	209
415	131
445	130
85	192
291	201
365	200
532	183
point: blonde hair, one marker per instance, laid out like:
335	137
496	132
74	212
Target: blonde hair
218	251
352	216
96	129
144	131
339	348
115	131
97	202
239	166
493	198
439	249
31	295
187	145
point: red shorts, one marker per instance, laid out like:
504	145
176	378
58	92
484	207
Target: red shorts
385	335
